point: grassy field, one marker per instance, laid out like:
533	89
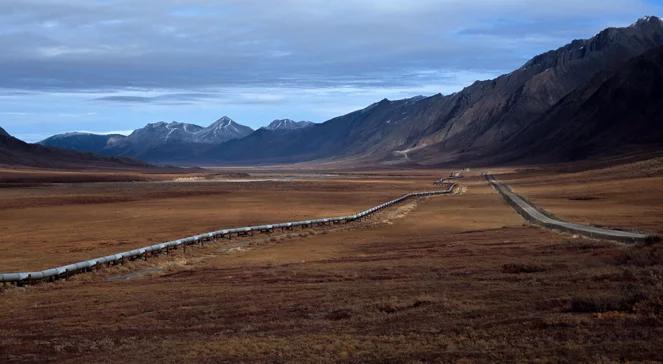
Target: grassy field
446	278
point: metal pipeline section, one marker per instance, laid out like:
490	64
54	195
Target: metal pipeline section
64	271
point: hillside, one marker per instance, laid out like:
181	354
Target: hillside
621	109
501	108
17	153
83	142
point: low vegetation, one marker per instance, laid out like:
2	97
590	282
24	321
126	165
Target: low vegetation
515	268
459	278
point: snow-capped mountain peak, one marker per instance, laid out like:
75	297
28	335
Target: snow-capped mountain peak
222	122
222	130
287	124
160	132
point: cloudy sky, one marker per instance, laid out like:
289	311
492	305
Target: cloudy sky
114	65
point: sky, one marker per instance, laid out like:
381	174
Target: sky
115	65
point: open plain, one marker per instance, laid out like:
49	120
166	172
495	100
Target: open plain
438	279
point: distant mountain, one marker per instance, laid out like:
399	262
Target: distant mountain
83	142
287	124
154	134
372	131
14	152
156	142
161	132
222	130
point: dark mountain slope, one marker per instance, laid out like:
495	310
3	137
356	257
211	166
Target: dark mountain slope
375	130
14	152
488	113
620	111
83	142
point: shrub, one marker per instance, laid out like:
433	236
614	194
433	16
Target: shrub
522	268
604	303
640	257
396	305
342	314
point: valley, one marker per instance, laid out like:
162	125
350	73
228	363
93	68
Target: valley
460	194
439	277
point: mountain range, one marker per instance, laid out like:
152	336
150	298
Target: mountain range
151	139
163	142
596	96
15	152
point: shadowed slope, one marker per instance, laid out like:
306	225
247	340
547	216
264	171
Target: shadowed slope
14	152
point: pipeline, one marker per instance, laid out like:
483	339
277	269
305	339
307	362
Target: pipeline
52	274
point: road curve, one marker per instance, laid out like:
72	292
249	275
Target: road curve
64	271
541	217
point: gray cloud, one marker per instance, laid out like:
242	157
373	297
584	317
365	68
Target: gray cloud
137	99
180	98
235	96
115	44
